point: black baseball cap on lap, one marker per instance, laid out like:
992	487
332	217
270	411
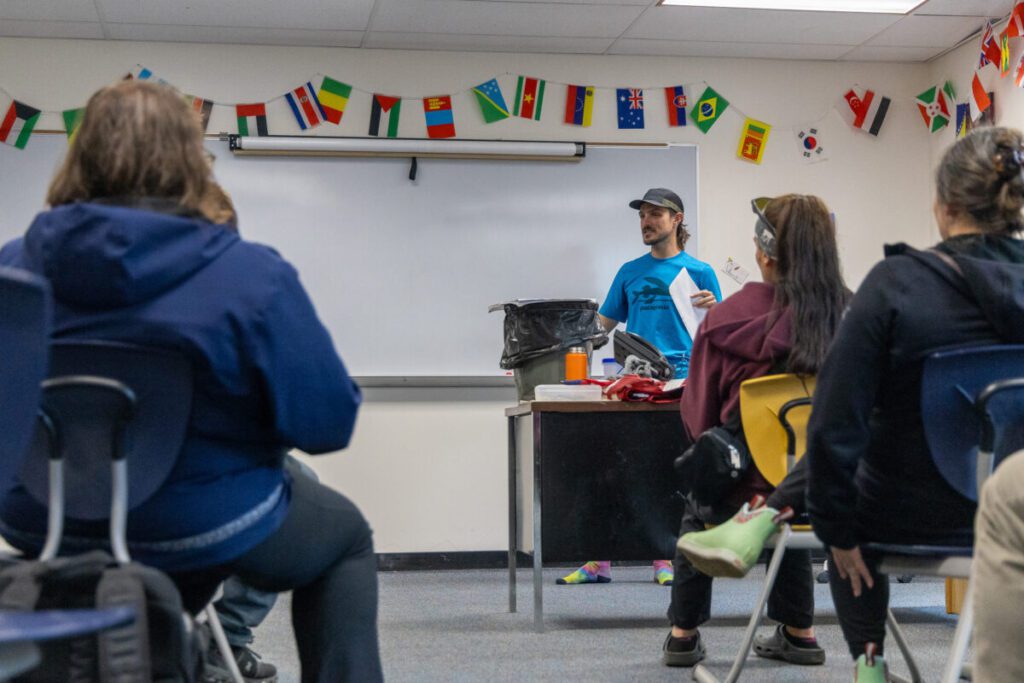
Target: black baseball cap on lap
660	196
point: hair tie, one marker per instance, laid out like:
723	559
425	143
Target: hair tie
1008	162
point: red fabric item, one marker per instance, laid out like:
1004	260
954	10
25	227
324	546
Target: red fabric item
636	388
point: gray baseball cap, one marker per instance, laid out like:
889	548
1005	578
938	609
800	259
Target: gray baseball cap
660	196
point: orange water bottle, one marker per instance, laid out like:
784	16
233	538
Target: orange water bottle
576	364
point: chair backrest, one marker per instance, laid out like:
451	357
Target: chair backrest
761	403
25	310
161	382
951	384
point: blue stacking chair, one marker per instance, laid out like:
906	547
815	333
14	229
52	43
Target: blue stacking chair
973	411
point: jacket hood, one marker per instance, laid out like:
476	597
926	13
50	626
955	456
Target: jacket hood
747	325
103	256
991	272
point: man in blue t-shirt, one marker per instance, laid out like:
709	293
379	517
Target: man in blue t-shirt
642	292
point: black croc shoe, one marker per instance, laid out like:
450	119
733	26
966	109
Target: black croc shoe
779	646
682	651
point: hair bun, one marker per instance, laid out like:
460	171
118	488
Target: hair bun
1009	162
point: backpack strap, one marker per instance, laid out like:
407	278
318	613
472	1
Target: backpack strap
124	655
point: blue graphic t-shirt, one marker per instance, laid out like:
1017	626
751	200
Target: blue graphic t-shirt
640	296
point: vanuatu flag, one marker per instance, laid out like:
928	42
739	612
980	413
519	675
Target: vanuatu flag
18	123
72	119
709	109
935	105
579	104
753	140
384	115
529	97
333	97
252	119
675	98
438	112
491	101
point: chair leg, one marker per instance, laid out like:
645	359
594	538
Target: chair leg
897	634
701	673
222	643
961	639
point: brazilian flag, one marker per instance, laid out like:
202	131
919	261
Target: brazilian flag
708	109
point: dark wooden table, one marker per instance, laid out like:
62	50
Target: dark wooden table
591	480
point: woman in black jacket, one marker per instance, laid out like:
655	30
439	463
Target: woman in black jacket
871	475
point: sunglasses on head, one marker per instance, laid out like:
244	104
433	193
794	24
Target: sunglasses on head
763	229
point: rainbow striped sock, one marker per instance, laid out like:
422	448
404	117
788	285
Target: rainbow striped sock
595	571
663	572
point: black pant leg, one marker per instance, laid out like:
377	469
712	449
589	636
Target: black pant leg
862	619
791	601
691	590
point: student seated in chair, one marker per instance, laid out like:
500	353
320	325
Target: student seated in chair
783	324
871	474
131	258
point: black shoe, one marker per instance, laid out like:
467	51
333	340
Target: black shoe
781	645
249	664
682	651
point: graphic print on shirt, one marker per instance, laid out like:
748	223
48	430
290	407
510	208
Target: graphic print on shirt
655	291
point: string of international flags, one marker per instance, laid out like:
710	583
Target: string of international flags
310	106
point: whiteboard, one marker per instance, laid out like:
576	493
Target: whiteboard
402	272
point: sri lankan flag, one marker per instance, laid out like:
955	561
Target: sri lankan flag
252	119
708	110
753	140
18	123
72	120
333	97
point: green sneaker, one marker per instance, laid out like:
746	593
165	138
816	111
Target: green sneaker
871	667
732	548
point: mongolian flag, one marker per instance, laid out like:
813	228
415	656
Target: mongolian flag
384	115
491	101
579	104
72	120
631	107
529	97
753	140
18	123
333	97
438	113
305	106
709	109
934	105
203	107
252	119
675	98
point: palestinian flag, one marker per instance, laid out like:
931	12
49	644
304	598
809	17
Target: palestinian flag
529	97
305	106
675	98
333	97
18	123
438	113
252	119
203	107
934	105
72	120
709	109
491	101
579	105
384	114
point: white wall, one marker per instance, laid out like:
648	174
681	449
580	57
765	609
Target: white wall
428	466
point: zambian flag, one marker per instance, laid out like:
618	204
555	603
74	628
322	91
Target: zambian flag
333	98
72	119
708	109
18	123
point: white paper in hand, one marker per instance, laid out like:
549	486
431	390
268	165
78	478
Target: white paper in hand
681	289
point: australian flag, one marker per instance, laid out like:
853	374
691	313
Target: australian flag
631	107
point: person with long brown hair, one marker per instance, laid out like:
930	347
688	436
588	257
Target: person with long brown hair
784	323
132	258
872	478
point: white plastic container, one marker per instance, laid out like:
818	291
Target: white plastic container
567	392
610	368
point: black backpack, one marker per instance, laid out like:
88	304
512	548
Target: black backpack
161	645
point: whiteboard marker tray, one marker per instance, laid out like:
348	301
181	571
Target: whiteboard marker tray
567	392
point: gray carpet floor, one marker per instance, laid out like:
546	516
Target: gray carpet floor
455	626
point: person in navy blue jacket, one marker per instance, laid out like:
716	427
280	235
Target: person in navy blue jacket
131	259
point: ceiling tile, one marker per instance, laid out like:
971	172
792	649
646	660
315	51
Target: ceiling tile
881	53
491	17
693	48
758	26
350	15
927	31
50	29
53	10
975	8
228	34
483	43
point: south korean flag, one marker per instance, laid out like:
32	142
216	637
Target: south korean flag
811	149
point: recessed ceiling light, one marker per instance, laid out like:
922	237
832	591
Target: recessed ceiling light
867	6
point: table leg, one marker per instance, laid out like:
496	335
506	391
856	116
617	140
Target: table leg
538	565
512	514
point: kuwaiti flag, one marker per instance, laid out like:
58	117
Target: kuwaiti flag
811	149
980	100
529	97
72	120
491	101
252	119
631	107
333	97
675	98
579	105
438	113
203	107
865	111
384	115
934	105
305	106
18	123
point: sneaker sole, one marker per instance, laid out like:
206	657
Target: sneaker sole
599	579
713	561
